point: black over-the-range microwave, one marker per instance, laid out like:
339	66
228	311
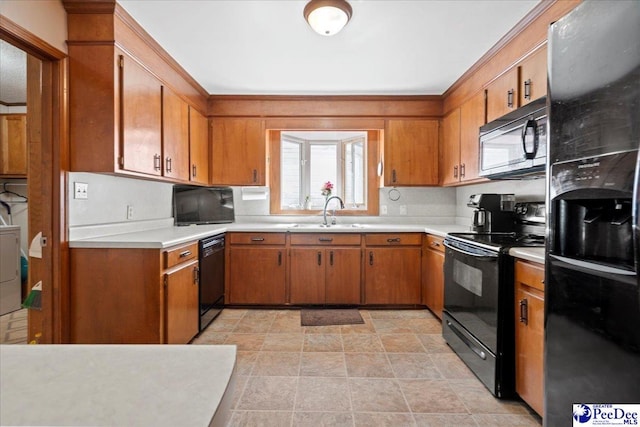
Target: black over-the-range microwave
515	145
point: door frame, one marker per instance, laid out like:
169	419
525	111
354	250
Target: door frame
48	145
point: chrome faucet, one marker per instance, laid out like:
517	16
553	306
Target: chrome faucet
324	211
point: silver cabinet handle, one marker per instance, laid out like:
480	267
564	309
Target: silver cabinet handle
185	254
257	239
527	89
394	240
510	94
524	311
156	162
319	258
455	171
193	171
325	239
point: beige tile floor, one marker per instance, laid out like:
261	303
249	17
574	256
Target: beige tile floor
13	327
395	370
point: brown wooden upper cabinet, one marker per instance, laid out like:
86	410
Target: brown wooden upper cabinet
411	152
521	84
238	155
460	146
141	118
13	145
502	95
175	135
198	147
533	76
128	110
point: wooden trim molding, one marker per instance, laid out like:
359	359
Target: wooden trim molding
277	106
47	133
27	41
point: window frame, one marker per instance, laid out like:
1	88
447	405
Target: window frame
372	185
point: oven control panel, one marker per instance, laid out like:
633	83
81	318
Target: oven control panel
530	212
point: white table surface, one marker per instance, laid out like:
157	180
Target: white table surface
100	385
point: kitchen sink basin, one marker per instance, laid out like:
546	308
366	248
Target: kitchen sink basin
327	227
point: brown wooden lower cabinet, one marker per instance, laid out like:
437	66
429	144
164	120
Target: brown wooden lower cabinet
433	274
529	318
120	295
256	268
393	268
325	272
182	309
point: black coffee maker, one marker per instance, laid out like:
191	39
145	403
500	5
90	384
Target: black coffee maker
492	212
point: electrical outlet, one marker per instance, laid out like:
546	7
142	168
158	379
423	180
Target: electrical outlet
80	190
129	211
383	209
403	209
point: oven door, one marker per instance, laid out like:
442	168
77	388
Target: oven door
471	290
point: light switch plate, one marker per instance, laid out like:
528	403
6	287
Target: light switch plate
80	190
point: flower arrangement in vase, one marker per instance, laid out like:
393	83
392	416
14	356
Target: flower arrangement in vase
326	189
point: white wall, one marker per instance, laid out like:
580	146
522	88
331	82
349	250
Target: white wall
109	197
46	19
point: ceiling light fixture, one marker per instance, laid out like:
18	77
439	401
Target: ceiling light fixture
327	17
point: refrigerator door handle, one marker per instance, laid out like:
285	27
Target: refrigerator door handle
635	214
603	269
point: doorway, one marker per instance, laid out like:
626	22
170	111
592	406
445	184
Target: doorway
46	147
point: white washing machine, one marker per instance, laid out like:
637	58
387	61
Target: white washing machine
10	284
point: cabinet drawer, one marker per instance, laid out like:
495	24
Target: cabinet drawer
393	239
179	254
530	274
434	242
256	238
332	239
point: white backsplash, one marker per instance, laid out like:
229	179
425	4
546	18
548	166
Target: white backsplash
109	196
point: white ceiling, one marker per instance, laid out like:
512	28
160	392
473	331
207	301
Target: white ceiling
390	47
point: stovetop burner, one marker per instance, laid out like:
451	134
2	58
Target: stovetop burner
502	240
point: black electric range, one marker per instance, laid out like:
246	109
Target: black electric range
478	315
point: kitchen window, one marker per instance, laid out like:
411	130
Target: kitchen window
302	161
310	159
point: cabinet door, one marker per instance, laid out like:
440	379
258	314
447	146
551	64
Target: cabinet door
450	168
411	152
198	147
256	275
238	154
307	276
472	116
181	299
141	119
502	95
175	135
392	275
529	317
13	144
533	73
433	277
343	276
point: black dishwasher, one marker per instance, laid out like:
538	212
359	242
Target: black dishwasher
211	292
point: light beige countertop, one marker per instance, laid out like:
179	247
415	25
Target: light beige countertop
165	237
529	254
100	385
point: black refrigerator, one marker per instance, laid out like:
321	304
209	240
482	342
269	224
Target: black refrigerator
592	293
